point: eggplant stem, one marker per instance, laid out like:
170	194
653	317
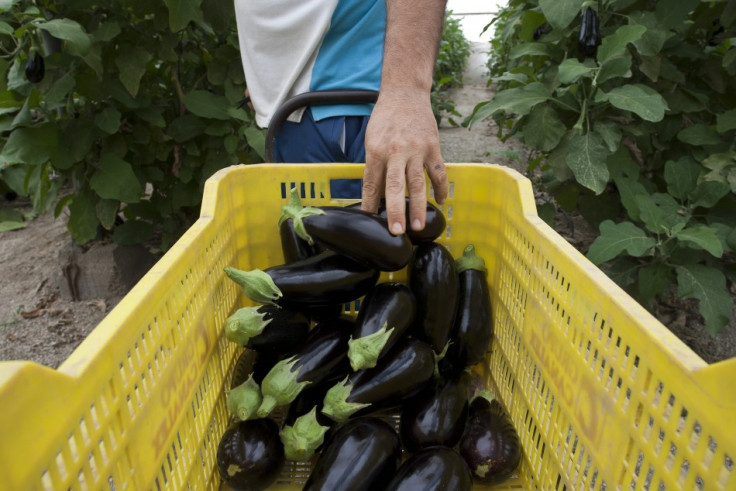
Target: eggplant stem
256	284
470	260
336	405
280	387
244	400
245	324
364	352
303	438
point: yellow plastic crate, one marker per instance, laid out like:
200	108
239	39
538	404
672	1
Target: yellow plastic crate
603	396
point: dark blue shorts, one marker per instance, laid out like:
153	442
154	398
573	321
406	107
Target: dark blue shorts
337	139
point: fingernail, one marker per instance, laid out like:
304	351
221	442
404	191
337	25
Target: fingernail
397	229
416	224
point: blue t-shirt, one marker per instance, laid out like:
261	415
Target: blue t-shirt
290	47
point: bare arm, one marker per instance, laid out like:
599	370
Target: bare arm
402	139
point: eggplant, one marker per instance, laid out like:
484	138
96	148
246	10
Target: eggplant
401	374
434	223
385	315
293	246
267	328
490	444
432	469
35	68
433	279
362	454
437	415
325	279
325	348
589	37
360	235
250	455
472	331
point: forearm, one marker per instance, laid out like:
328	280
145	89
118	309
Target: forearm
413	31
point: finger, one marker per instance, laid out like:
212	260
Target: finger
438	176
373	179
395	195
417	185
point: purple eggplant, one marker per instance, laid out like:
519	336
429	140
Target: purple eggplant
360	235
473	327
250	455
325	279
432	469
433	280
362	454
437	415
267	328
403	372
434	223
293	246
326	347
490	444
386	314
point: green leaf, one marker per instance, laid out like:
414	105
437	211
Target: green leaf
207	105
182	12
611	134
699	135
708	193
726	121
649	213
629	189
131	63
643	101
617	238
107	210
108	120
256	138
560	13
518	100
7	226
33	145
529	49
653	280
616	67
186	127
615	44
707	285
681	176
652	41
673	14
77	40
651	66
116	180
587	159
702	236
82	222
543	129
570	70
675	215
132	232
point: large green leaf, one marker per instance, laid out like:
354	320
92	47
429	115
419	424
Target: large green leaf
82	223
182	12
615	44
70	31
651	214
673	13
543	129
33	145
726	121
707	285
518	100
560	13
611	134
703	237
108	120
185	127
529	49
207	105
571	70
681	176
617	238
699	135
653	280
586	158
643	101
116	180
708	193
132	65
256	138
614	67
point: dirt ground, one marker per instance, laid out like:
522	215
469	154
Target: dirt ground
54	292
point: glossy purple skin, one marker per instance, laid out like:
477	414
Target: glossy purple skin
432	469
250	454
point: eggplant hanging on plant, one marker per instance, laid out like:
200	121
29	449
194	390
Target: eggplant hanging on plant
322	280
589	37
250	454
490	444
385	315
400	374
472	330
362	236
435	468
361	455
324	350
35	68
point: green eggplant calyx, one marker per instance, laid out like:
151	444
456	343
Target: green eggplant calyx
299	227
304	437
469	260
256	284
244	324
364	352
244	400
485	394
439	357
280	386
293	208
336	405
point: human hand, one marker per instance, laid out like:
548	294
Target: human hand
401	141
